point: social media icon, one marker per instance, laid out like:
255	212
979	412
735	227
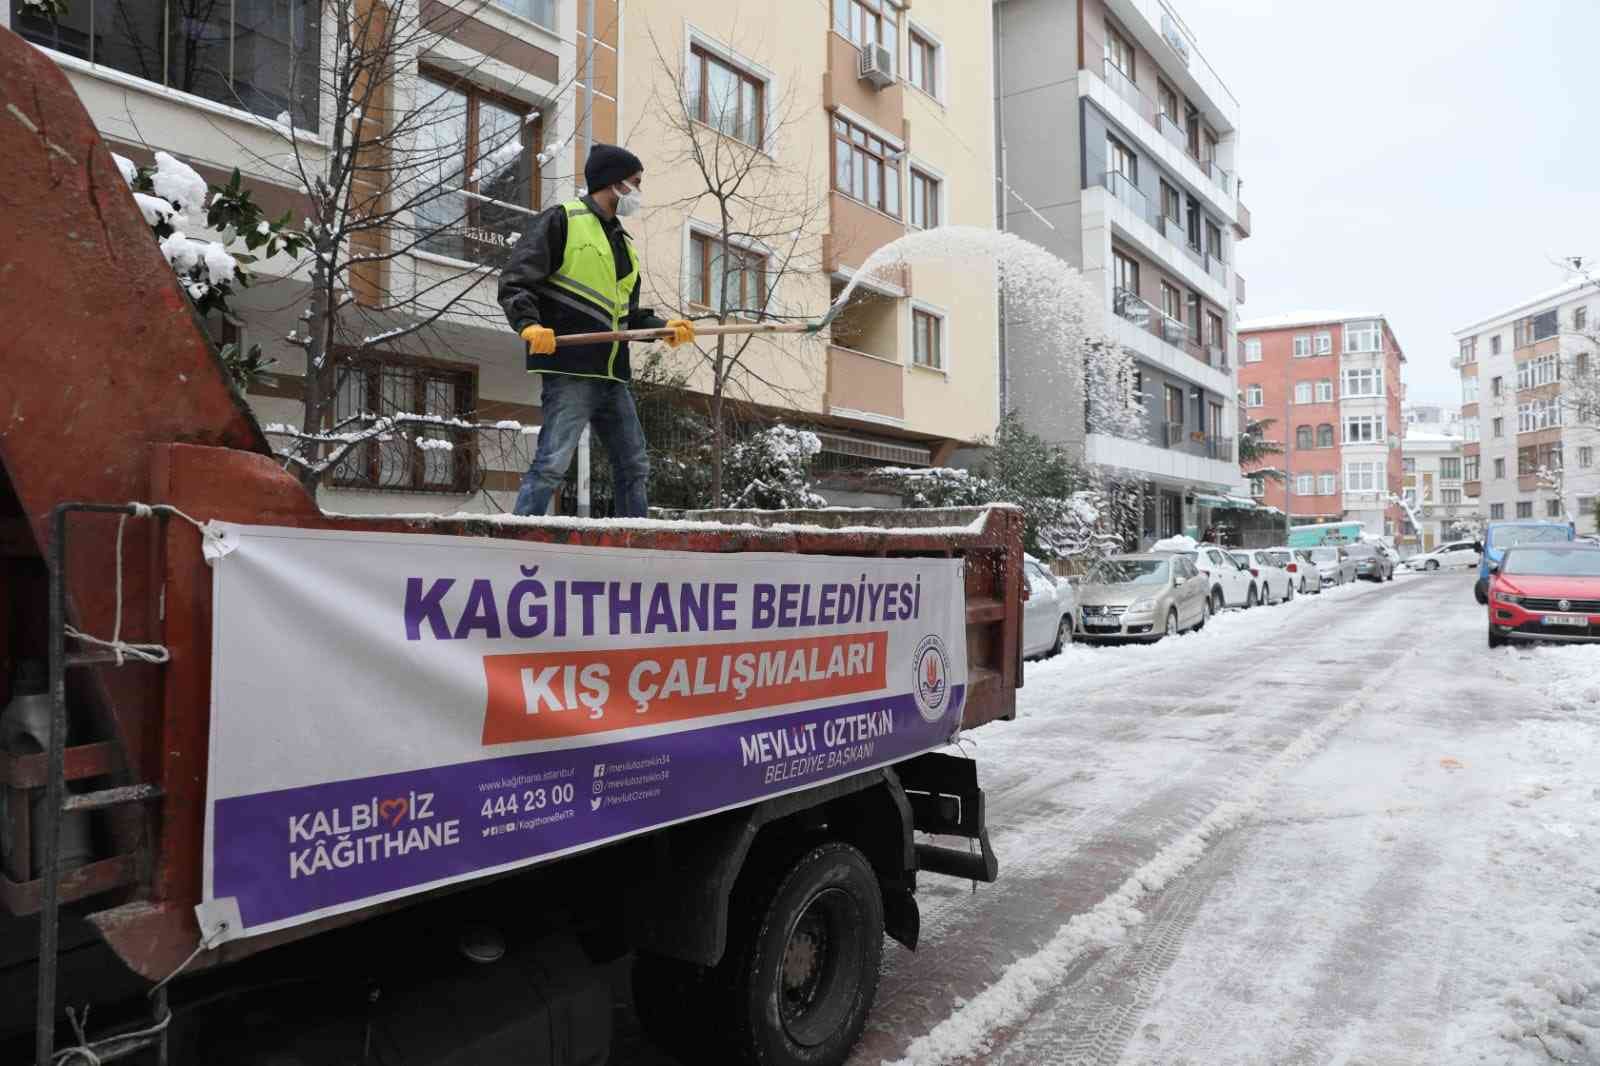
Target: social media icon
594	804
599	769
598	787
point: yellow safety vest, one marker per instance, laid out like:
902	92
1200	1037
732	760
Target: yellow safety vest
587	279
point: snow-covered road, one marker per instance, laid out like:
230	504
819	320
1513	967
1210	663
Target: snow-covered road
1336	831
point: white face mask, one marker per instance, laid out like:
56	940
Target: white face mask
630	201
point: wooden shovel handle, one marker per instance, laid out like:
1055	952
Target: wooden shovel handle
663	333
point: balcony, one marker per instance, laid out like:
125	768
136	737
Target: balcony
1238	287
1473	489
1220	448
1124	87
1241	220
869	384
1219	177
1174	436
1217	269
1130	195
1129	306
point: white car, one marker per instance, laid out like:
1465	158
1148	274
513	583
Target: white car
1296	562
1267	567
1457	553
1231	583
1049	615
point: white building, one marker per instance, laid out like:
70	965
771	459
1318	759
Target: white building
1434	489
1524	456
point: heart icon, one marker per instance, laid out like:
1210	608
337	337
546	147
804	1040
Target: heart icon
392	810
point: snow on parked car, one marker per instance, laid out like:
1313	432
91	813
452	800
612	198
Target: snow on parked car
1143	596
1048	616
1271	573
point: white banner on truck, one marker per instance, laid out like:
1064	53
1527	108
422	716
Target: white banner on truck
392	712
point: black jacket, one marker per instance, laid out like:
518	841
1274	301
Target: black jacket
537	256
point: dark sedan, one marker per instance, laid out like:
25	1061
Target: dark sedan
1371	562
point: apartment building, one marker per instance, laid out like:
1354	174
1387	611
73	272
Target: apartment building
506	97
1434	489
1530	451
1330	382
1438	418
1130	180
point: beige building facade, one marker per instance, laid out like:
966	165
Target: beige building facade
861	134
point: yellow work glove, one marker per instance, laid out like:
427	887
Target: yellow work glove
682	331
541	340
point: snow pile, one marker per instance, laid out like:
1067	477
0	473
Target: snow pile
1181	543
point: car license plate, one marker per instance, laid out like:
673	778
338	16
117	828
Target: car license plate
1564	620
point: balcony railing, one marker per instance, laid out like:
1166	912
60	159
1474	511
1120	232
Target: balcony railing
1242	215
1217	269
1238	287
1129	305
1131	196
1221	178
1173	132
1220	448
1219	358
1174	434
1124	87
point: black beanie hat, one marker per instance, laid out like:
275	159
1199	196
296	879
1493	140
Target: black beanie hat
608	164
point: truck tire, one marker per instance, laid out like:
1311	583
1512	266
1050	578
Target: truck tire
805	938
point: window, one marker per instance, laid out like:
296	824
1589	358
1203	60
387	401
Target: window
1214	337
1302	344
1544	370
1469	389
256	55
922	63
1497	511
729	100
1305	485
1127	272
541	11
1258	487
1327	484
1325	436
866	22
1216	419
927	345
1524	508
1586	456
387	385
477	148
1362	477
739	284
1252	396
1539	414
924	200
1472	429
1193	231
1121	160
1174	396
1580	318
1214	240
1552	508
1209	146
1497	428
1167	100
1302	392
1494	344
1252	351
1171	204
1469	467
1323	343
1450	468
1497	385
1119	53
1302	438
1450	497
1363	336
1367	381
1171	302
862	168
1363	429
1408	465
1325	391
1500	469
1469	350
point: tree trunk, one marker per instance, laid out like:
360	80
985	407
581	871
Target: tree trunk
319	331
717	436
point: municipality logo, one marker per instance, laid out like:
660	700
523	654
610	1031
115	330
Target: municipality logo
931	680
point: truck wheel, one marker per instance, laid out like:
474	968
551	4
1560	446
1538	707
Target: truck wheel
669	999
801	967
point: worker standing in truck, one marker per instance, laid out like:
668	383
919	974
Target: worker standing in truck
575	271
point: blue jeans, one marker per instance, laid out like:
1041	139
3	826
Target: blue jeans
571	404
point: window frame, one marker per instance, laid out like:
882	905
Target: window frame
1298	346
1471	468
935	318
698	297
1252	350
1305	484
1369	479
1303	388
1256	391
1327	484
931	50
864	148
1119	153
464	456
1369	429
1328	439
1122	263
1114	39
1307	435
1524	508
933	195
1497	512
1324	390
707	55
859	13
1369	330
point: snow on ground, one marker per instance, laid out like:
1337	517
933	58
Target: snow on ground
1339	830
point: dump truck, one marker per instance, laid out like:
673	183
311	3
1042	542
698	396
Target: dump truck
279	785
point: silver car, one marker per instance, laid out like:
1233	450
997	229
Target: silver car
1143	596
1334	565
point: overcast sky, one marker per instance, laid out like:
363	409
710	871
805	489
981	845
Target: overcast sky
1424	158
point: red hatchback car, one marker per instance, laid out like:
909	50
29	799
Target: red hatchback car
1545	592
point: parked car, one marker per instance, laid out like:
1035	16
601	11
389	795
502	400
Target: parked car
1502	535
1143	596
1457	553
1049	614
1545	591
1302	571
1334	565
1231	583
1372	562
1273	582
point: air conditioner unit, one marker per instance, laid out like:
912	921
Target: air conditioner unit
877	65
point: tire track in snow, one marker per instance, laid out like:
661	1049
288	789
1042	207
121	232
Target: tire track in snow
971	1029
